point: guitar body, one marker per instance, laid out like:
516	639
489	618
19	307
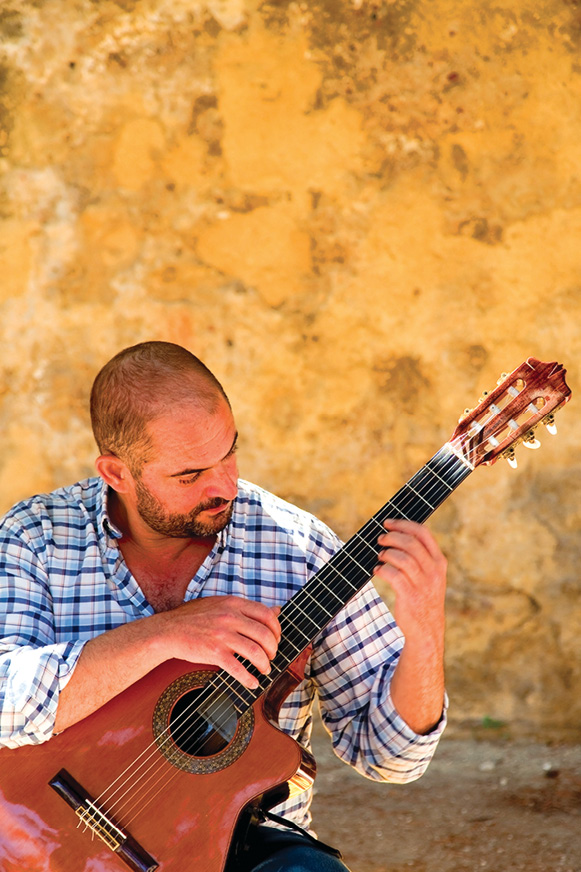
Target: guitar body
182	819
159	777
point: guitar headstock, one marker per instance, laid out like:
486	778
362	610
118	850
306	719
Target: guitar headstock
511	412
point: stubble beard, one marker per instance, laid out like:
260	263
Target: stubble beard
180	526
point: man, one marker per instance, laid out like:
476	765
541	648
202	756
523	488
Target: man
168	554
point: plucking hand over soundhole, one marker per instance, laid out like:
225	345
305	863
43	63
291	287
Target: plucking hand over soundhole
197	727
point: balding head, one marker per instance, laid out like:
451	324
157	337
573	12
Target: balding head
143	383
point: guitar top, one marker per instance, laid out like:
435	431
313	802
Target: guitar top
159	777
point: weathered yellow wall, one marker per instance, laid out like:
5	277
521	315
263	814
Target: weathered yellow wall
357	214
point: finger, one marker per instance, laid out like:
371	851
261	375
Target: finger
401	558
413	560
417	532
237	670
403	544
398	569
253	652
258	635
224	626
262	614
234	653
247	619
405	553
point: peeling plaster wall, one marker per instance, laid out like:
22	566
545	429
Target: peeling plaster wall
357	214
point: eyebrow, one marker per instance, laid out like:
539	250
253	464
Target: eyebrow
193	471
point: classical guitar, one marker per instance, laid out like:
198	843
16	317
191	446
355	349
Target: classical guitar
159	777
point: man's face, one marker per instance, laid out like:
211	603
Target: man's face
187	487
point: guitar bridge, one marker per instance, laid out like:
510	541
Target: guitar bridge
92	817
100	824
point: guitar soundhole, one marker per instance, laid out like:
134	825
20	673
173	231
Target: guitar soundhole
198	729
202	728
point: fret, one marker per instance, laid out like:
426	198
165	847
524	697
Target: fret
341	575
361	562
307	613
317	603
451	468
289	648
302	634
322	605
332	580
418	494
296	631
374	548
439	477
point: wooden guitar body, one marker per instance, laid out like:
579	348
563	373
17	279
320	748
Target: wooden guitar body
159	777
180	819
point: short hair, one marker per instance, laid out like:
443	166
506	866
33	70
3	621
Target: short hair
142	383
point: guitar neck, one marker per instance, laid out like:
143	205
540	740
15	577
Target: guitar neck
316	604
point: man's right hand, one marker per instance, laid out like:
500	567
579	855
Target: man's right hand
212	630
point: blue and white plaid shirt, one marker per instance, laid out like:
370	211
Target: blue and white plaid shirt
63	580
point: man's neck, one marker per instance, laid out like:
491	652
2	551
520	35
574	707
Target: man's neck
139	538
163	566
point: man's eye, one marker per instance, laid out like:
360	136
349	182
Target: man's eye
190	479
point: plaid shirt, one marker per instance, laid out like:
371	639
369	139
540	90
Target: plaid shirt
63	580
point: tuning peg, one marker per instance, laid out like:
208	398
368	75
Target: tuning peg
510	457
530	440
503	375
483	397
464	414
549	423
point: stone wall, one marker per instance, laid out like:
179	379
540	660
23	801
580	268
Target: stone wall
358	214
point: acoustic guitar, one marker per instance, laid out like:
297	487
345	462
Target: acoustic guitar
159	777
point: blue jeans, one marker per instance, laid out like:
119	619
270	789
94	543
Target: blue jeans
273	850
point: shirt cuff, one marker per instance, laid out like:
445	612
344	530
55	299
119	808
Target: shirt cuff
33	684
402	755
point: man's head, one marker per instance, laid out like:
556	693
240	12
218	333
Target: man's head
140	384
167	439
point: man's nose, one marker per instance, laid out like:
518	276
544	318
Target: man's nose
224	482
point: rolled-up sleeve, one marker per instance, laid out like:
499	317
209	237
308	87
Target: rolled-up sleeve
31	680
352	667
34	666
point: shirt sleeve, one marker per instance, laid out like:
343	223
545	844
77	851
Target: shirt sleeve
34	666
352	666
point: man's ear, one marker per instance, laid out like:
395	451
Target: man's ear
114	472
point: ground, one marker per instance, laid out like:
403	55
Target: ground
482	805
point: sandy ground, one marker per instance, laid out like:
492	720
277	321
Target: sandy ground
493	805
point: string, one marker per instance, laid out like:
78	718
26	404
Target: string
292	610
373	520
305	636
348	561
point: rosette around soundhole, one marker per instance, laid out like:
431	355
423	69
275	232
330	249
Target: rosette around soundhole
197	727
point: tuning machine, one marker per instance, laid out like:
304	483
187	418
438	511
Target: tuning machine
510	456
529	440
549	423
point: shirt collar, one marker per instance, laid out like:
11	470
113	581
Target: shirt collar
105	521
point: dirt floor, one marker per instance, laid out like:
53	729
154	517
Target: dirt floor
482	805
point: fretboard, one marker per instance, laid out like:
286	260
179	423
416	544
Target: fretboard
319	601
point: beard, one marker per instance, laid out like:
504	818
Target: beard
178	526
